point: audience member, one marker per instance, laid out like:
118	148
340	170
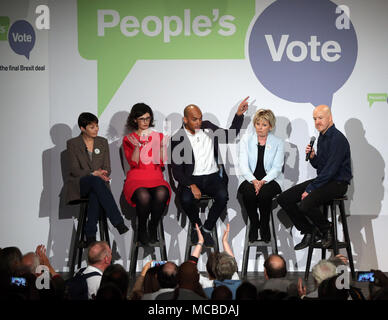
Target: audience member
246	291
224	268
275	271
116	274
328	290
166	276
221	293
109	291
188	288
99	258
147	282
207	282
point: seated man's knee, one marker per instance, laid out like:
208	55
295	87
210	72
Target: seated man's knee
186	197
282	199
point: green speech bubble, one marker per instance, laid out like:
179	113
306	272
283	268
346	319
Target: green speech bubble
118	33
4	26
377	97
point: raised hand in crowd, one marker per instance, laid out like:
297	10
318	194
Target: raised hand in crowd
44	260
225	242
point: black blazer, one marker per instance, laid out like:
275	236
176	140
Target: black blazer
183	164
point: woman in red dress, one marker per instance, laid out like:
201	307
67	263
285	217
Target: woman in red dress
145	187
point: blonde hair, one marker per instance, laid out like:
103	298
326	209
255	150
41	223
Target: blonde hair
265	114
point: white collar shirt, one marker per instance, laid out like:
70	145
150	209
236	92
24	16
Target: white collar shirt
203	149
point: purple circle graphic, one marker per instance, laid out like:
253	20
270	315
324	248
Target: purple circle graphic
300	52
21	38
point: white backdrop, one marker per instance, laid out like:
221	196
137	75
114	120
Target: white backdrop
39	112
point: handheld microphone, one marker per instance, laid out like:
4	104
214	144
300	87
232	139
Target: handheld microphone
312	140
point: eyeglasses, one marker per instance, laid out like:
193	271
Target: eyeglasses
144	119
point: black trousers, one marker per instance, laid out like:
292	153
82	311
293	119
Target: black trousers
263	200
310	206
213	186
99	197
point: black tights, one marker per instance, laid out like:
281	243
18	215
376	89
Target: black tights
150	200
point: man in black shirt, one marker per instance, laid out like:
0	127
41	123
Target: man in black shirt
332	161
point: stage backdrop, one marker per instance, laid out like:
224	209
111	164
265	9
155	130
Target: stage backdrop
60	58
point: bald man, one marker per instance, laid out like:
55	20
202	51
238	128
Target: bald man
196	166
275	272
99	258
333	165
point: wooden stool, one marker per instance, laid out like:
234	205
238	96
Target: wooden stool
258	243
79	241
203	203
337	202
161	244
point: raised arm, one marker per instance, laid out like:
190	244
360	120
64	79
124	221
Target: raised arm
198	248
225	243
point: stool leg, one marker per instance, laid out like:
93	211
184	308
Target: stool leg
215	236
334	223
106	229
162	242
309	256
188	241
347	238
78	238
273	241
134	250
244	266
82	227
323	253
132	267
101	227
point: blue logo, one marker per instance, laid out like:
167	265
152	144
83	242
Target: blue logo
21	38
300	51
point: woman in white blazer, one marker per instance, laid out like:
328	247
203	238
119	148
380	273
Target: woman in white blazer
261	160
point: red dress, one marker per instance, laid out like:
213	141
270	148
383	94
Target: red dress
148	172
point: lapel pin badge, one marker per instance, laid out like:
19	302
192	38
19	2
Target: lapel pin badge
97	151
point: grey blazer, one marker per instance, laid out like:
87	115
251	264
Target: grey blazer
80	164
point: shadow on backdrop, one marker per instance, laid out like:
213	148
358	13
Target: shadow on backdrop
52	204
365	193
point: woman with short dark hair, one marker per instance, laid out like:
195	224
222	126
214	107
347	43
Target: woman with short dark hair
89	176
145	187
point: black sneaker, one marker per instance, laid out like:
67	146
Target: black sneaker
304	243
122	228
208	240
153	232
327	239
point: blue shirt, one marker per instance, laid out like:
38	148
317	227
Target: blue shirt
231	284
332	159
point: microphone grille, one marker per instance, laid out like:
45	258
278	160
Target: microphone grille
312	138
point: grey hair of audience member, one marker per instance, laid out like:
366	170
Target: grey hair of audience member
323	270
225	267
97	252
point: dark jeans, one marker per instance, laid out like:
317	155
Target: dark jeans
100	197
263	200
213	186
310	206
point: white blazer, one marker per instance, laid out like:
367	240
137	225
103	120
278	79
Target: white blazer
273	158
